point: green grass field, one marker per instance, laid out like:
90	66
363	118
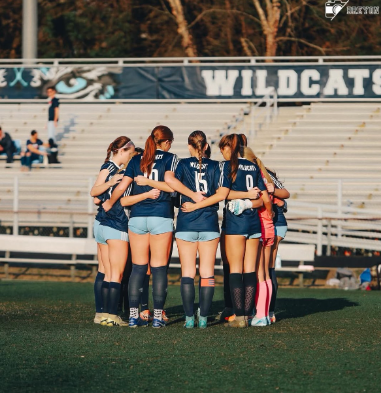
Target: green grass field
324	341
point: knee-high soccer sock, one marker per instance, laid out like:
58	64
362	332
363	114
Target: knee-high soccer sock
250	283
274	282
237	294
159	289
227	295
113	297
105	286
269	295
135	288
188	295
124	290
206	295
145	294
261	299
98	292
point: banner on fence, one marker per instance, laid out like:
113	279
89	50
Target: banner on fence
312	81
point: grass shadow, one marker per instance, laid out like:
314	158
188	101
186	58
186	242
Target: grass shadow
289	308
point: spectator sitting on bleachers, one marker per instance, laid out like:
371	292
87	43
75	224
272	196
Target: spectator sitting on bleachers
7	146
33	151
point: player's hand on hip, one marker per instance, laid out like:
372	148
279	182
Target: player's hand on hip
107	206
188	207
141	180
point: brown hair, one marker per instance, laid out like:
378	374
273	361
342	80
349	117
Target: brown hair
233	141
243	139
116	145
249	155
158	135
197	139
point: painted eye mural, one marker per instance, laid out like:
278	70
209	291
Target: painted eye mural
88	83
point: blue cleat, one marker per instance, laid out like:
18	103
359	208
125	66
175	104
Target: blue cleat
202	322
259	321
189	322
133	322
158	323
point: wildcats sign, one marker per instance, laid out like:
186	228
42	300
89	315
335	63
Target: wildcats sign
300	82
327	81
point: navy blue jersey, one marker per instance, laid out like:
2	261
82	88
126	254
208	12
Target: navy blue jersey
117	216
112	169
279	219
247	223
209	180
162	206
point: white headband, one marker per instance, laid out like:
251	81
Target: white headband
129	144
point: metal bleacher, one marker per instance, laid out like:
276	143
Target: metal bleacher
326	154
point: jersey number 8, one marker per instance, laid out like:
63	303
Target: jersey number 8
200	181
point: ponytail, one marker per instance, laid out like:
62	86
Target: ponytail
158	135
197	139
234	142
109	150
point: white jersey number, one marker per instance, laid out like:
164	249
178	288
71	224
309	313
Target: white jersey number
200	181
249	182
154	174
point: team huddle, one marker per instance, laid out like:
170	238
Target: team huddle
137	192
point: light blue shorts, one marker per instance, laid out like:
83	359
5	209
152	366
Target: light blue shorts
253	236
152	225
280	231
197	236
106	233
95	228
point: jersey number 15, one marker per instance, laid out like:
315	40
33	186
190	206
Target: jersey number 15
200	181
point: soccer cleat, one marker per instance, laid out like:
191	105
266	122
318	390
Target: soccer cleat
189	322
202	322
158	323
134	322
268	320
259	321
104	319
226	313
146	316
116	320
98	317
237	324
164	316
272	317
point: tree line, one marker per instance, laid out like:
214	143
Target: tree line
161	28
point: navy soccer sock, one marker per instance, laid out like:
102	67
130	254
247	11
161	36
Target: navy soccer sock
206	295
145	294
227	295
250	284
105	287
159	289
237	294
113	297
135	287
188	295
98	292
274	283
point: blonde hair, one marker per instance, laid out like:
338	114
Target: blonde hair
249	155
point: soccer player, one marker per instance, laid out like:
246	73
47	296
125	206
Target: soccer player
198	230
151	221
101	186
280	226
53	113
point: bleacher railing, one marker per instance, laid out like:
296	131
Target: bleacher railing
330	225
